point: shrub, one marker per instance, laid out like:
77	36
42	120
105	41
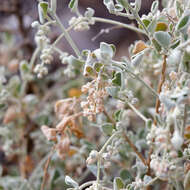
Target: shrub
126	120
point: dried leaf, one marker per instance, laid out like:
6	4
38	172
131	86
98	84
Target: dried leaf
139	46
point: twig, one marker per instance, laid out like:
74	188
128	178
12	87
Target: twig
162	80
135	149
105	31
109	118
137	112
46	169
123	25
137	77
184	119
66	34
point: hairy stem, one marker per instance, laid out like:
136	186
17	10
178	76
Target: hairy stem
100	155
46	169
135	149
162	80
123	25
66	34
137	77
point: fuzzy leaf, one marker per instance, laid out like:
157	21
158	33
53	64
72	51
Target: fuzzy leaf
106	50
146	22
152	26
117	79
156	45
163	38
149	124
107	128
154	6
93	169
53	5
89	12
183	23
117	115
70	181
136	60
178	9
118	183
125	175
138	5
112	91
73	4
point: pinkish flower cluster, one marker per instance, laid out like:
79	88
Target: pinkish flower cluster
96	93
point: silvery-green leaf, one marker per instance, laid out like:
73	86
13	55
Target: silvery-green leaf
107	128
152	26
154	7
125	175
118	7
53	5
40	13
122	2
178	8
168	103
174	57
156	45
110	5
136	60
106	50
73	5
93	169
77	63
112	91
183	22
118	115
89	13
149	124
118	183
175	44
138	5
163	38
117	79
181	96
70	181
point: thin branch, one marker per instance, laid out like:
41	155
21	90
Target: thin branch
108	116
67	35
123	25
46	169
162	80
135	149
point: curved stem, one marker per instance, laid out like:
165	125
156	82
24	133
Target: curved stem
100	155
136	15
31	64
137	77
127	26
63	34
137	112
162	80
66	34
86	184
